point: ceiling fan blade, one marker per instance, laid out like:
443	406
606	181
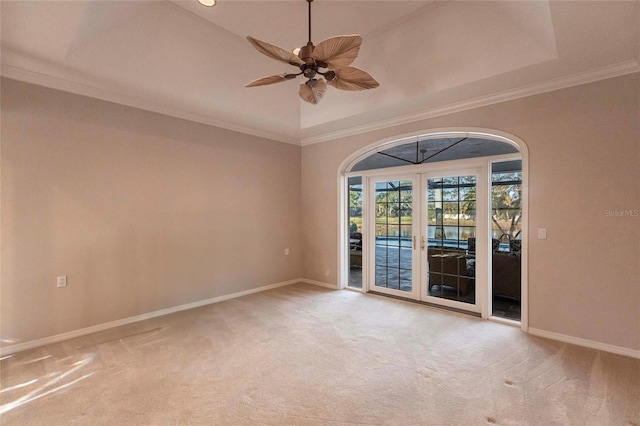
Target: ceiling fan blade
313	93
338	52
270	80
275	52
352	78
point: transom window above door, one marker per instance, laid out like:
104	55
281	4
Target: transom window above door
429	150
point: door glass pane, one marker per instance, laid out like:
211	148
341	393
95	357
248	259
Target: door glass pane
506	227
394	220
451	231
355	232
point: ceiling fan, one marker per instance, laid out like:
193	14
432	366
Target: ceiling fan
329	59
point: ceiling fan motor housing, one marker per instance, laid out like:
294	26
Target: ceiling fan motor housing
305	54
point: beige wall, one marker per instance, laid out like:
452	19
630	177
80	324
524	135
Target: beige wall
141	211
584	148
145	212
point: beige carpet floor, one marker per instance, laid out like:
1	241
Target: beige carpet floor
307	355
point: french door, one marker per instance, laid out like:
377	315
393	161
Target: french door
425	237
396	259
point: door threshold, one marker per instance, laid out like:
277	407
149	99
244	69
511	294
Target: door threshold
507	321
433	305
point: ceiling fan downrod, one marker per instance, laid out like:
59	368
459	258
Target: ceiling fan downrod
311	65
309	1
305	51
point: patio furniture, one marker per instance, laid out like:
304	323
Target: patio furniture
506	267
355	249
451	268
506	275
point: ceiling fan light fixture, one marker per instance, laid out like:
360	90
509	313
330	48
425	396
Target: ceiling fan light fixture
330	75
309	72
208	3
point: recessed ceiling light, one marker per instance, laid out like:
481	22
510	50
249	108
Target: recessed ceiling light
208	3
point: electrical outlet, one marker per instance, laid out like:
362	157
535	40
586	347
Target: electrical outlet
542	233
62	281
286	252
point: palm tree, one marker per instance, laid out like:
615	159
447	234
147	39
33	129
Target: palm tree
468	203
355	202
506	206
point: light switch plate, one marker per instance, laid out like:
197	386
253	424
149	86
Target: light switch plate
62	281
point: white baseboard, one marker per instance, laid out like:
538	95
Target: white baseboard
319	283
585	342
7	350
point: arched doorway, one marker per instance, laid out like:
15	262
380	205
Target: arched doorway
439	217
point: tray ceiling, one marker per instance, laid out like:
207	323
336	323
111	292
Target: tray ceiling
430	57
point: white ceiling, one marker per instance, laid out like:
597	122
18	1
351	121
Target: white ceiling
430	57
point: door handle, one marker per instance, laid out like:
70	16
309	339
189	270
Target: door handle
422	242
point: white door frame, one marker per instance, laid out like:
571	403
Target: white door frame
369	237
343	172
419	216
482	238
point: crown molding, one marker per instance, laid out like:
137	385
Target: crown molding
65	85
41	79
615	70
